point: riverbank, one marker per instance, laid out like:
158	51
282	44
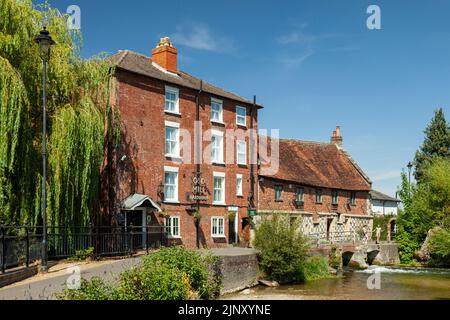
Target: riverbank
396	283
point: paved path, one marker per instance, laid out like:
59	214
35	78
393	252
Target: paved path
43	287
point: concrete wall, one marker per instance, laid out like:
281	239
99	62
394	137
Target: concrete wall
239	271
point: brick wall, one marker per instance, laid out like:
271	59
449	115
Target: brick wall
140	101
266	195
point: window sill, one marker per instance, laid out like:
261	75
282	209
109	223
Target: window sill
218	163
173	237
242	164
240	195
220	123
172	201
278	200
172	113
219	237
242	125
173	157
219	204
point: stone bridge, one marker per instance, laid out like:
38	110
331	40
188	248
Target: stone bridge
361	255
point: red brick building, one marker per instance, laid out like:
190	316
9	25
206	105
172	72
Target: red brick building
152	176
321	183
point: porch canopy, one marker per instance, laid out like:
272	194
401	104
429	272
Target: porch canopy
138	201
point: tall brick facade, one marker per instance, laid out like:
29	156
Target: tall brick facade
139	163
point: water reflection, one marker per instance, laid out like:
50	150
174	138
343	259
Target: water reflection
396	284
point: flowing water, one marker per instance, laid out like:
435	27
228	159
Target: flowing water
394	284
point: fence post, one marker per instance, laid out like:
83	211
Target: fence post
2	230
146	237
28	247
131	240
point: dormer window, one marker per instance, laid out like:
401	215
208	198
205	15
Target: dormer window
216	110
241	116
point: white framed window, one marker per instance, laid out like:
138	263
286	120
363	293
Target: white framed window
172	100
216	110
241	152
219	188
172	148
239	183
218	227
217	146
173	226
170	184
241	116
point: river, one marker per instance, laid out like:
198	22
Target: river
395	284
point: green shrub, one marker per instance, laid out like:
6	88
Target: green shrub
94	289
82	255
282	248
335	258
315	268
172	273
439	246
198	268
161	282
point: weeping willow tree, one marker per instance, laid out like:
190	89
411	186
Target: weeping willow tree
78	112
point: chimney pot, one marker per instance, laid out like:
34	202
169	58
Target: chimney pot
336	137
165	55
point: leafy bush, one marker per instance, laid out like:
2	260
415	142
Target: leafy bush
315	267
335	258
161	282
196	267
172	273
94	289
439	246
282	248
82	255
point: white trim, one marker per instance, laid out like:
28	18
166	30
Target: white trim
176	91
157	66
241	193
217	101
171	226
245	118
237	152
219	174
218	235
172	124
215	132
171	169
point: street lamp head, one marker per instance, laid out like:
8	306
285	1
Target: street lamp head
45	41
410	165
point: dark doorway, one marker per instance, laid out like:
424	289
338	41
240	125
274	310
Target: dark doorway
232	234
246	226
329	222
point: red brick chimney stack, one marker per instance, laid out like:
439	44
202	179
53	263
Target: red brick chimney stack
165	55
336	137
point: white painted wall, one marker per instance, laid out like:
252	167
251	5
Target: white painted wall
384	207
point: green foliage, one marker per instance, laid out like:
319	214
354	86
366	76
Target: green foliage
159	282
436	144
426	206
93	289
77	110
81	255
439	246
315	268
282	248
335	258
168	274
197	268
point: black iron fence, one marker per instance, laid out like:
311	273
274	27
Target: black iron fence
22	246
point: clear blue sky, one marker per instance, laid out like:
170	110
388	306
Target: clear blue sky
313	64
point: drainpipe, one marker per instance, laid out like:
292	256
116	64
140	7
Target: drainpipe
197	156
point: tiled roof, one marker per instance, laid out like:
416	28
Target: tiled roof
141	64
319	165
377	195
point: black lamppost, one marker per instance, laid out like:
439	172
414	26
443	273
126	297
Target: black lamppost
410	166
45	41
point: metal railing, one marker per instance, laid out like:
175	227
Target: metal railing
22	246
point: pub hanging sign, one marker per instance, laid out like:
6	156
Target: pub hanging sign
199	191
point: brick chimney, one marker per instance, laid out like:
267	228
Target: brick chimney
165	55
336	137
